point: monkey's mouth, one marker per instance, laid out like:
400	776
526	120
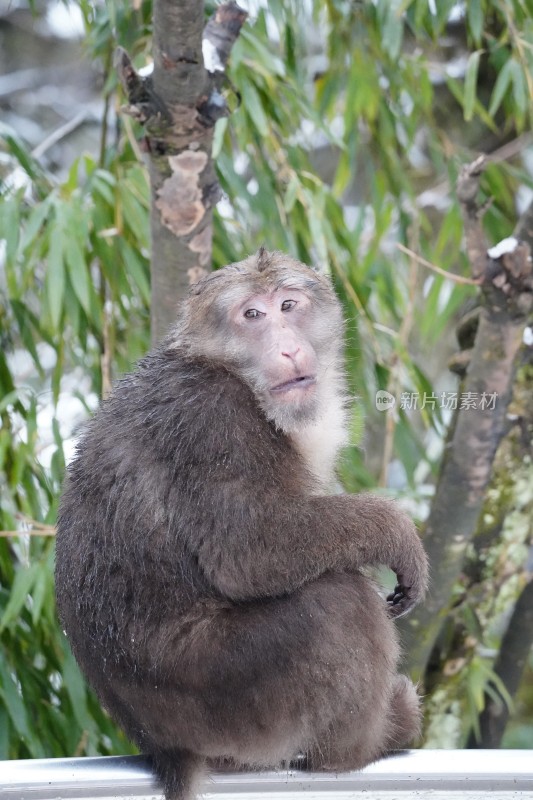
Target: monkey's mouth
302	382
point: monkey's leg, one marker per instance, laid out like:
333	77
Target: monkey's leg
349	748
405	714
374	710
257	683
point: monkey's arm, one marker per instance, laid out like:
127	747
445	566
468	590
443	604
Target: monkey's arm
273	548
384	534
246	509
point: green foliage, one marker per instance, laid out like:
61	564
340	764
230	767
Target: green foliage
369	82
76	274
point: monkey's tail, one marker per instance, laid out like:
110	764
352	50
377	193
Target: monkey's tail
180	772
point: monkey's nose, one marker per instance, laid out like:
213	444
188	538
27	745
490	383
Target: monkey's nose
291	352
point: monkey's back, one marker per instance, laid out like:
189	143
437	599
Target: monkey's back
134	509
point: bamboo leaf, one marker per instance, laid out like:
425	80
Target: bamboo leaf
76	689
291	193
136	270
9	228
16	710
469	98
520	92
104	184
28	329
55	274
34	223
501	86
266	59
475	19
392	30
4	735
134	214
22	585
254	108
39	594
77	268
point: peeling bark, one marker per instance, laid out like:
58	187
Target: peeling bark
507	295
179	198
179	105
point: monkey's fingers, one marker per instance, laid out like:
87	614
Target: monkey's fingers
411	571
400	601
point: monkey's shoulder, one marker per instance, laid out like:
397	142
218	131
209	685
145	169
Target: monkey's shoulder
171	384
177	408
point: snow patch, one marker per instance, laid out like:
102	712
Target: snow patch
65	20
147	70
508	245
212	60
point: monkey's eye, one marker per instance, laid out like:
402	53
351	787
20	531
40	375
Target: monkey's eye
288	304
253	313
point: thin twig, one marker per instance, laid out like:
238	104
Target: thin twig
44	530
59	134
35	528
450	275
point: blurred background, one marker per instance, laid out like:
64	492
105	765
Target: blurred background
350	123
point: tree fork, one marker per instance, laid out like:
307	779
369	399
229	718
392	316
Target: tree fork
507	298
179	105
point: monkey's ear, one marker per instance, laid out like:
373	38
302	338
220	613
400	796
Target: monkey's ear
262	259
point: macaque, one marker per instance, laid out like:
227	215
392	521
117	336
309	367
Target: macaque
214	588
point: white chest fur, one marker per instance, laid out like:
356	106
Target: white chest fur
319	442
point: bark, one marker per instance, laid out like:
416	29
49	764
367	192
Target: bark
179	105
511	495
509	666
507	286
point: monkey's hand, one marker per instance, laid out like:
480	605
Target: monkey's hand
412	579
400	601
404	553
380	533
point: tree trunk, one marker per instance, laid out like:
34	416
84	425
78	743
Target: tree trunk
509	666
512	495
179	105
506	282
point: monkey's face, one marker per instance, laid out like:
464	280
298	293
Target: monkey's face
274	343
278	327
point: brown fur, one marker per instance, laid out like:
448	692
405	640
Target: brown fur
210	589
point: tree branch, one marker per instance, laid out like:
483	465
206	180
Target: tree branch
467	191
507	295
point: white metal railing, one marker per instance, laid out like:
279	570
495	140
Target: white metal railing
436	774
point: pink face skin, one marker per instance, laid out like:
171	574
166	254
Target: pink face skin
275	325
